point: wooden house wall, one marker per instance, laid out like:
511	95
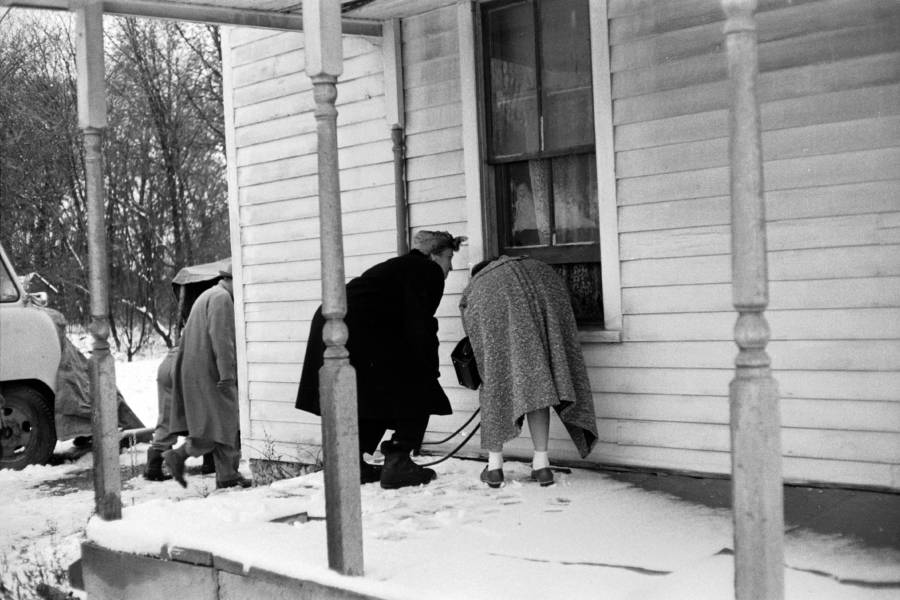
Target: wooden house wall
274	150
829	88
830	99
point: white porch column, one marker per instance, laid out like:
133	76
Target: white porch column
92	120
337	378
757	493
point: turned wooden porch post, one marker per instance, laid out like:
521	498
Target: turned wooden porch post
92	120
757	494
337	378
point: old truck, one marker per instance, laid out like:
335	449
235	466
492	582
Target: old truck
44	386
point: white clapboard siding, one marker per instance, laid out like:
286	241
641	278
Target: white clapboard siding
829	88
277	178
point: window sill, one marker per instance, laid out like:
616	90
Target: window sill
599	336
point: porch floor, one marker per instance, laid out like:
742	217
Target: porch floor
616	535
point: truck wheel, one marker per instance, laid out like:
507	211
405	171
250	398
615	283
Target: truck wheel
27	429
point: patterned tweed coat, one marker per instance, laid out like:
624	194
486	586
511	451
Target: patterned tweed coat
518	316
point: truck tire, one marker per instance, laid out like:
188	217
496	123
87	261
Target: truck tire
27	429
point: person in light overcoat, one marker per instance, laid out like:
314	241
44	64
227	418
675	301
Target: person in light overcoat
204	396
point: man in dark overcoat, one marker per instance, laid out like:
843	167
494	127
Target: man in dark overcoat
204	396
393	347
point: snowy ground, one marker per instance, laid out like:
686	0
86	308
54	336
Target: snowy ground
588	536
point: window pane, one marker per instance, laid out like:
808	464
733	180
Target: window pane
584	283
575	199
513	80
566	93
529	203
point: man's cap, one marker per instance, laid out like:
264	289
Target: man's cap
226	271
434	242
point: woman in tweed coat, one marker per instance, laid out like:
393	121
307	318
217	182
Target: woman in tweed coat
518	316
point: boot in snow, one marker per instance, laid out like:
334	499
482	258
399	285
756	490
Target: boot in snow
175	461
209	465
154	471
368	473
399	470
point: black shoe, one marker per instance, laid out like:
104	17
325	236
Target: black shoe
154	471
492	477
399	469
174	459
542	476
369	473
209	465
241	481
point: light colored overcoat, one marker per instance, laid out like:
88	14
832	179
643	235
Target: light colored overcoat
518	316
204	397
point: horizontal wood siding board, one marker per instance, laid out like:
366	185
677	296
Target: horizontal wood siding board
795	355
354	245
307	207
430	96
434	142
845	324
432	118
429	23
781	144
271	45
781	205
787	265
292	61
852	230
846	105
287	270
853	385
427	47
820	47
359	67
275	352
432	71
362	88
882	69
787	22
868	446
808	171
870	292
423	214
241	36
804	413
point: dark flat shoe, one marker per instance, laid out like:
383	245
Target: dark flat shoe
239	482
369	473
542	476
175	462
492	477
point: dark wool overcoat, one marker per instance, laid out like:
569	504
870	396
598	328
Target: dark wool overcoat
392	341
204	395
518	316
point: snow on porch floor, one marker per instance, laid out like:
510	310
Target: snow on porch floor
592	535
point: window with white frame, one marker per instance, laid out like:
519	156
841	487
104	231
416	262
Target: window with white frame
539	142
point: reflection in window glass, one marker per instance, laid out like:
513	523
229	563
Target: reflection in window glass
566	92
575	199
513	75
8	291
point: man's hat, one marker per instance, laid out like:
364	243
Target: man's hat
433	242
226	272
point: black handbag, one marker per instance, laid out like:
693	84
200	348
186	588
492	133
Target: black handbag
464	362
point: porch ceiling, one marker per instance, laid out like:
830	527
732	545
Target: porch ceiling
361	17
